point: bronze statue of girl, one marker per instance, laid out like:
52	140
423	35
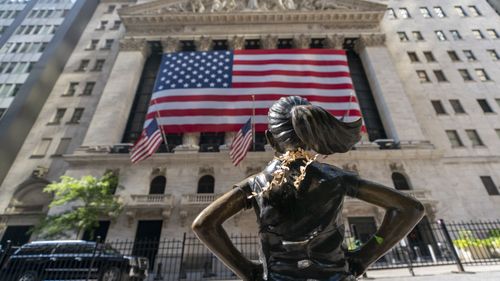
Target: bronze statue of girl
298	202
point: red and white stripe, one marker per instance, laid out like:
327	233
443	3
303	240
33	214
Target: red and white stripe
320	75
146	146
240	146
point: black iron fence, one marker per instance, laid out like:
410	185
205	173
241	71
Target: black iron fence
186	258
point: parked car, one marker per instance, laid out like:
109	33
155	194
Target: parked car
72	260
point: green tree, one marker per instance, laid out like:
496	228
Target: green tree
85	201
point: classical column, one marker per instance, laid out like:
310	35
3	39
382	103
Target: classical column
302	41
118	94
170	45
396	111
269	42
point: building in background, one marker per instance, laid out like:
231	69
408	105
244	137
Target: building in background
36	40
424	73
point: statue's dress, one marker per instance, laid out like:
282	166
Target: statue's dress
304	240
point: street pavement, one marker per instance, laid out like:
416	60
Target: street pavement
437	273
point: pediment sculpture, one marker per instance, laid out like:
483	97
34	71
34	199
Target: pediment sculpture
228	6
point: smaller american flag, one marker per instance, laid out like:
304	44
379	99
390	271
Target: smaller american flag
148	143
241	143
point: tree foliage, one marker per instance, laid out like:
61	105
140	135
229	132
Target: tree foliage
83	202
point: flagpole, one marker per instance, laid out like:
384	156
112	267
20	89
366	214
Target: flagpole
161	128
253	121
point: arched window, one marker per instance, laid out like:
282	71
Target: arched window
157	185
400	181
206	184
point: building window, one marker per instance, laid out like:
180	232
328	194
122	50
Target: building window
89	87
460	11
477	34
116	25
465	75
98	65
84	64
391	14
157	185
42	147
474	138
400	181
111	9
485	106
92	45
496	130
493	54
15	90
492	33
455	35
440	35
474	11
210	141
3	110
490	186
469	55
457	107
482	75
438	107
439	12
453	56
108	44
429	57
425	12
206	184
5	90
417	35
102	25
454	138
440	76
77	116
62	148
71	89
58	116
403	12
498	102
422	76
402	36
413	57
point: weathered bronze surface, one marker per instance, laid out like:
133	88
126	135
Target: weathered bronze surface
298	203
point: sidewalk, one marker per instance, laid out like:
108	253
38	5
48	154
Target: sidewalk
437	273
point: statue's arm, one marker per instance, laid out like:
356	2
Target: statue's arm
208	228
402	214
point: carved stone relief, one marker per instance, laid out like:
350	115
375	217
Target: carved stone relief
237	43
203	43
302	41
170	45
270	42
221	6
335	41
206	171
369	40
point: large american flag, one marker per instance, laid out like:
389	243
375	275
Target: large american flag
212	91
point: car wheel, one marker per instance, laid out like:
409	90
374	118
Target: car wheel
28	276
110	274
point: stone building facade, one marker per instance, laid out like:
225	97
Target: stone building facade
431	109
